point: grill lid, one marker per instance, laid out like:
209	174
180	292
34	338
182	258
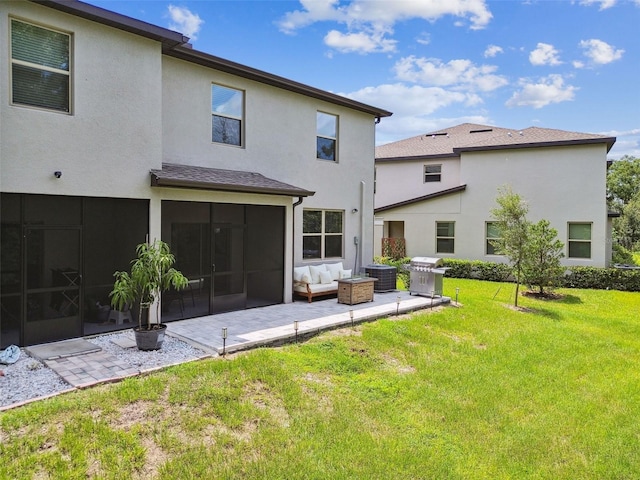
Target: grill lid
427	262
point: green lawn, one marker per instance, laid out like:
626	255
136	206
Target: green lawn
476	392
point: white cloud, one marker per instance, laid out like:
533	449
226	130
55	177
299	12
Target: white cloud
599	52
184	21
604	4
374	19
493	50
361	42
413	108
547	90
544	54
456	73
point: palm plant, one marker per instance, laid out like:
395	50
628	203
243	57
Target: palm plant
151	274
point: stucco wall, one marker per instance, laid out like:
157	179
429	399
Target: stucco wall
111	138
280	143
397	181
562	185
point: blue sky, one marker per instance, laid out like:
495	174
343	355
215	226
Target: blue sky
566	64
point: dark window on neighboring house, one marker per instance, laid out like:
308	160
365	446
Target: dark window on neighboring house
445	233
40	67
432	173
579	240
322	233
326	136
227	111
492	234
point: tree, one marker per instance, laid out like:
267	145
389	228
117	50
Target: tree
511	219
628	225
623	181
541	263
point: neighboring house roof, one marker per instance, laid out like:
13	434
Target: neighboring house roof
450	142
176	45
203	178
431	196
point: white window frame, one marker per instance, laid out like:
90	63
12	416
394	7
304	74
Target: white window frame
435	175
439	237
240	118
43	68
323	234
580	240
322	135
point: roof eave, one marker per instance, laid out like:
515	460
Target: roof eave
168	38
158	181
424	198
201	58
561	143
416	158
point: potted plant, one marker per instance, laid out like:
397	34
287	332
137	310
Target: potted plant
151	274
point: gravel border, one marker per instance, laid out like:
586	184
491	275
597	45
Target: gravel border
30	379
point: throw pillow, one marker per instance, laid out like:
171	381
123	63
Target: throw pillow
345	274
334	269
298	272
315	272
306	278
325	277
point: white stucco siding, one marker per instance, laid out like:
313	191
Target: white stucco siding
562	185
279	141
112	137
397	181
420	223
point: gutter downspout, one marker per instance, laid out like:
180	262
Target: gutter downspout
293	232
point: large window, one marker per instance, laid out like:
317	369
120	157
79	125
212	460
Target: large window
227	111
579	240
322	234
492	234
40	67
327	136
445	232
432	173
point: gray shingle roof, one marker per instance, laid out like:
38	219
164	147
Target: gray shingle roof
470	137
188	176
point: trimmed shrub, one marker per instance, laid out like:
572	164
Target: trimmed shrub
575	277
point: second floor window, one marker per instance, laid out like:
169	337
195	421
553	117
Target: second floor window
40	67
432	173
227	112
445	241
326	136
322	234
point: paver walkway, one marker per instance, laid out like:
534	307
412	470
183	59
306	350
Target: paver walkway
81	363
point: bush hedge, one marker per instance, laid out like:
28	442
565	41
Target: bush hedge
575	277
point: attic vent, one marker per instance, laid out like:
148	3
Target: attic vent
443	134
481	130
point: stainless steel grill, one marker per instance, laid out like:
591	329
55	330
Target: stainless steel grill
425	276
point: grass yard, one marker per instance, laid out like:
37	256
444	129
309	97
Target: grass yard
476	392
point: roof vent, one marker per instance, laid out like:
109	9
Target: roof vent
481	130
441	134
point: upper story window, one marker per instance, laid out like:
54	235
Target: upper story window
492	234
579	240
432	173
40	67
327	136
322	232
227	112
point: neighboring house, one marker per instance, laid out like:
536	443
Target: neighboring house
436	191
114	131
